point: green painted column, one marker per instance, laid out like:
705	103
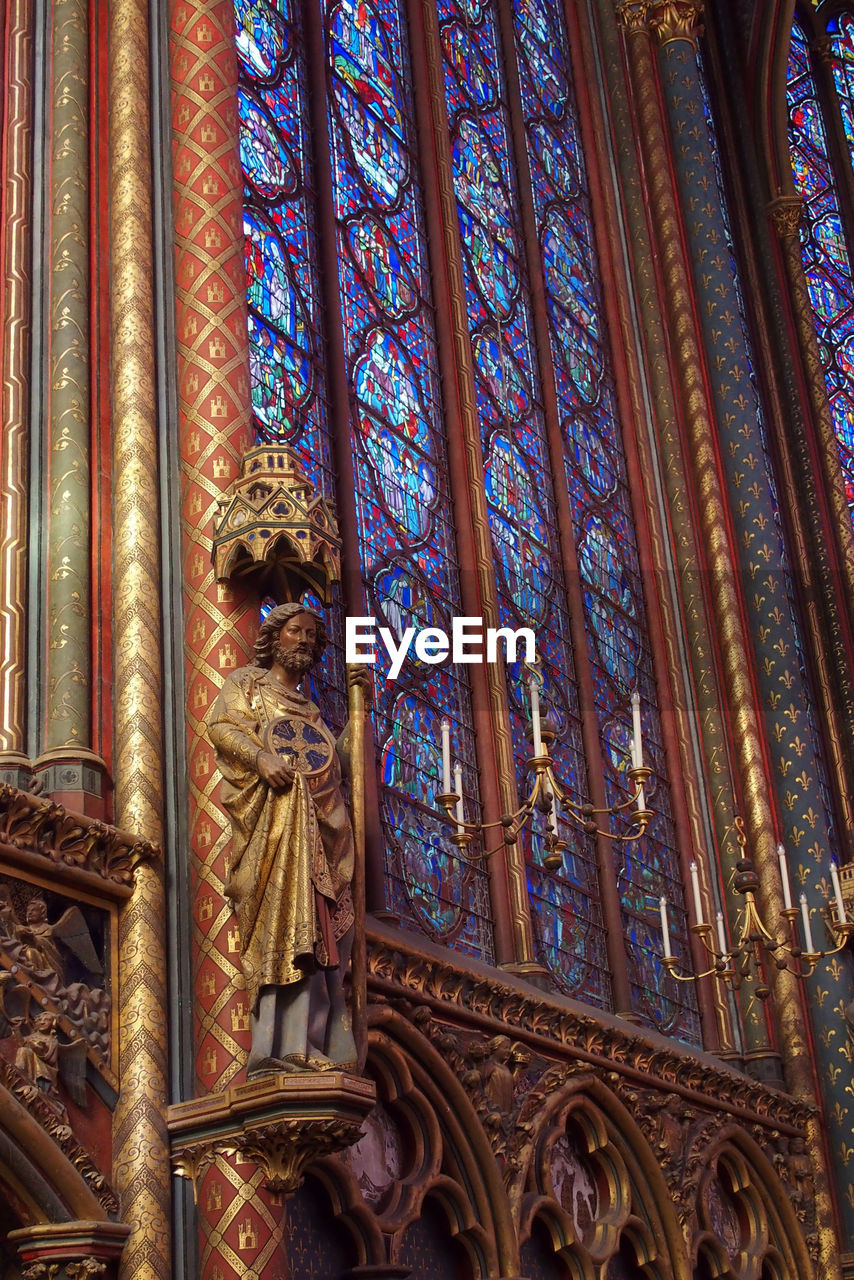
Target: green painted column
792	755
67	768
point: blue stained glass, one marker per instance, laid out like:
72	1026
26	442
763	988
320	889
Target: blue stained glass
367	93
284	344
558	165
403	506
270	286
262	36
502	376
472	73
383	267
265	159
595	471
827	262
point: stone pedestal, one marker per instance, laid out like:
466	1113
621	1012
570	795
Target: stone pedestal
80	1250
281	1123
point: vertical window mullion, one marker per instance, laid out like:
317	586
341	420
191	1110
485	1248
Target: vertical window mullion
405	531
594	471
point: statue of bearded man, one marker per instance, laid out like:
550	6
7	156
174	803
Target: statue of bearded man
292	849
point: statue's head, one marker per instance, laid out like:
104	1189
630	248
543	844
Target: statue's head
271	629
36	910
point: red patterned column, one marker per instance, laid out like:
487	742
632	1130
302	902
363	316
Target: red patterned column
213	384
213	396
213	388
242	1222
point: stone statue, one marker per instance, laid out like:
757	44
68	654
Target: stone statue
292	850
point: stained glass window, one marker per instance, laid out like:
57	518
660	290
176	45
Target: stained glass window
407	544
826	256
284	338
280	253
519	489
618	645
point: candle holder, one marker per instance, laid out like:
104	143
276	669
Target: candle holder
548	795
755	945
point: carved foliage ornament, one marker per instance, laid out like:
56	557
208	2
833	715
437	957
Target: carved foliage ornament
567	1033
83	1269
283	1150
677	20
46	829
786	215
633	14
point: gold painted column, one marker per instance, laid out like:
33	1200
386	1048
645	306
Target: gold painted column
663	438
760	556
14	445
67	767
720	555
141	1164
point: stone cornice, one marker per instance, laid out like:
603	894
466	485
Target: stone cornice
44	835
468	993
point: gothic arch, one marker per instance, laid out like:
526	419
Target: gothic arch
629	1191
777	1235
772	27
468	1162
449	1161
45	1184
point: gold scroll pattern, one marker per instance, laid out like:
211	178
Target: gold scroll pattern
142	1172
17	185
68	484
213	390
709	497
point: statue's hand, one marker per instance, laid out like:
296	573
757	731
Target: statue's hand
274	770
360	675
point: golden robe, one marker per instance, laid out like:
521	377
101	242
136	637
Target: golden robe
292	850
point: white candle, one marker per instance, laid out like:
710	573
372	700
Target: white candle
632	755
665	930
458	787
722	946
784	876
534	686
554	811
695	885
805	916
837	892
637	736
446	755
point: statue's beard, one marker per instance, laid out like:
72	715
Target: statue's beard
293	659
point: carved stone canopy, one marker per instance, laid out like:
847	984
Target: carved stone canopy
275	531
